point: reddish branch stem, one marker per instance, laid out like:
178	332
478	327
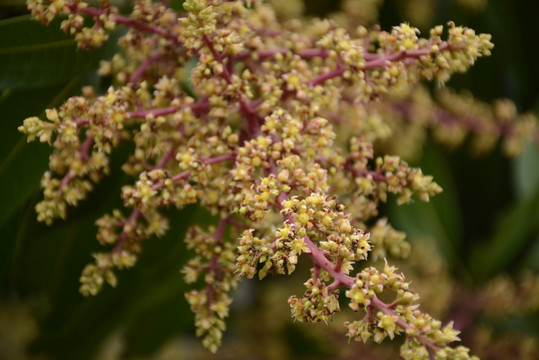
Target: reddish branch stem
137	213
154	112
185	174
373	60
144	66
341	279
249	114
376	175
329	75
96	13
133	218
178	177
82	151
378	62
219	159
267	54
334	285
236	223
165	159
317	255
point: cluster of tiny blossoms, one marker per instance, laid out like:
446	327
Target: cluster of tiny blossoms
426	338
216	258
409	116
260	141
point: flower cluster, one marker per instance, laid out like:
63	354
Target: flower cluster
250	118
85	129
210	304
425	334
317	304
451	118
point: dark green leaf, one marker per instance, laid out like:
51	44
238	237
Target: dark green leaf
33	55
177	5
530	260
513	235
186	82
526	170
440	219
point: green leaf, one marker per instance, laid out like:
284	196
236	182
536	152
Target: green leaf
446	204
186	82
20	174
177	5
526	170
513	235
439	219
34	55
530	260
12	3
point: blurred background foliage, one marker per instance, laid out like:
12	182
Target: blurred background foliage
476	246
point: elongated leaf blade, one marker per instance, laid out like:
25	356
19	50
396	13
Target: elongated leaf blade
513	235
34	55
